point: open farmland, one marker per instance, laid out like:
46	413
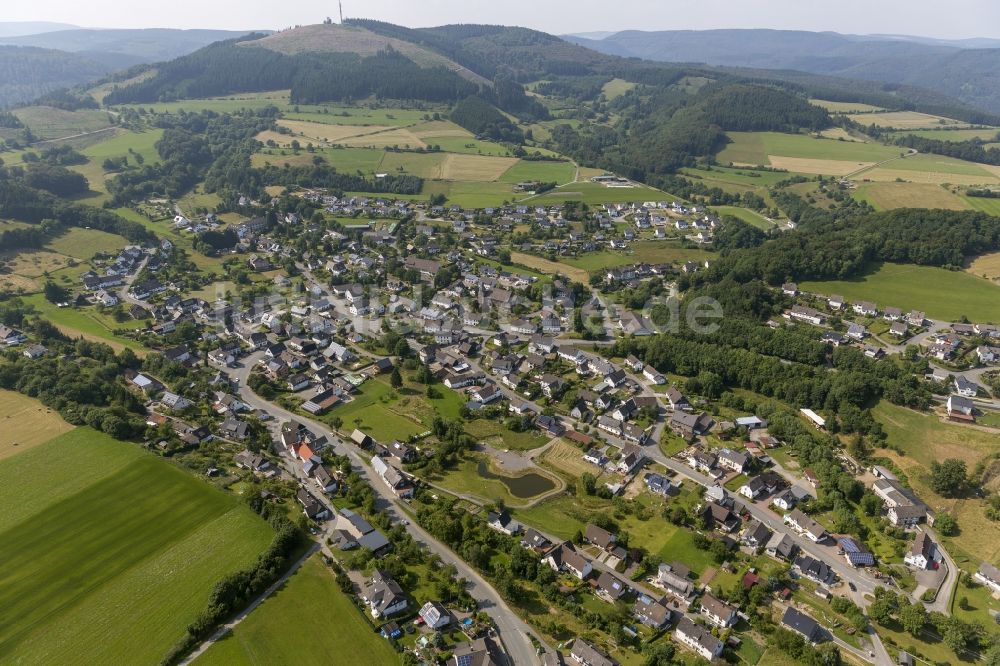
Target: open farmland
550	267
542	171
653	252
47	122
844	107
615	88
226	104
803	154
26	423
986	134
745	214
274	632
905	120
322	132
942	294
395	137
596	193
891	195
98	535
85	243
475	168
933	169
986	266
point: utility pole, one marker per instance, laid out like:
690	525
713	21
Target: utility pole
341	3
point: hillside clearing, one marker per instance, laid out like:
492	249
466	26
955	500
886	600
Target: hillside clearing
904	120
550	267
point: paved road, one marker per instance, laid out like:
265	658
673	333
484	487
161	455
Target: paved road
942	603
513	631
221	632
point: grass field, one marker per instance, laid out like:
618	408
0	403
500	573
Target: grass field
545	172
278	98
26	423
47	122
475	168
941	294
733	176
925	438
98	535
616	88
498	436
274	633
396	137
904	120
387	414
86	323
887	196
83	244
986	134
322	132
801	151
844	107
465	479
550	267
991	206
595	193
745	214
466	145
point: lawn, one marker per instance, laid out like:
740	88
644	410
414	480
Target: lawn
542	171
758	147
941	294
991	206
274	632
27	423
98	536
681	547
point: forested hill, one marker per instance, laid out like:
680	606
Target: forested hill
969	75
27	73
231	67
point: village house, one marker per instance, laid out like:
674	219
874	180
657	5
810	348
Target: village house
923	552
586	653
717	612
565	558
399	482
698	639
803	625
805	525
383	595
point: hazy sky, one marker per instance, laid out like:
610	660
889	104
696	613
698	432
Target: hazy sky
957	19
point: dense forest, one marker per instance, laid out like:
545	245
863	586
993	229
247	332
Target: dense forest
483	119
27	73
228	67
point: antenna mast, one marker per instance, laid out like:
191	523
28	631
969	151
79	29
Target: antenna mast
341	3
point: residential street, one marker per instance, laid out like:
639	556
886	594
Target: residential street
513	631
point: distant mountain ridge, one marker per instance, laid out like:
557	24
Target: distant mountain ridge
21	28
969	75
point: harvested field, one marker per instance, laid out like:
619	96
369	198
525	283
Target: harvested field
987	266
26	423
327	132
399	136
566	458
439	128
905	120
824	167
475	167
887	196
844	107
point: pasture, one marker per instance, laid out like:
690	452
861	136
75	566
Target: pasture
322	132
759	147
395	137
230	104
991	206
653	252
387	414
99	535
83	244
615	88
466	145
891	195
26	423
274	632
356	115
125	143
941	294
48	122
749	177
475	168
905	120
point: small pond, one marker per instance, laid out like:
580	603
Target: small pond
522	487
